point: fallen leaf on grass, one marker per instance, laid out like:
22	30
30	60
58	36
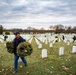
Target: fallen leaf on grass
65	68
2	69
27	72
21	66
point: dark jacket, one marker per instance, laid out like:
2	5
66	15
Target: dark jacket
17	42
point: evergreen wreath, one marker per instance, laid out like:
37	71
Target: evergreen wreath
24	49
10	46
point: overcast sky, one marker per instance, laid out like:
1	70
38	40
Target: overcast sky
37	13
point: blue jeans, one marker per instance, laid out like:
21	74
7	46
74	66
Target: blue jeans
16	57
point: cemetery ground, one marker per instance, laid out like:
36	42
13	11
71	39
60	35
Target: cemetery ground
53	65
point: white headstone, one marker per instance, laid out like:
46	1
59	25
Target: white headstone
46	42
40	46
44	53
74	49
51	45
61	51
59	40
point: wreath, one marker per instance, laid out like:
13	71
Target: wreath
24	49
10	47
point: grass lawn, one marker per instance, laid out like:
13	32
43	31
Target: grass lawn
53	65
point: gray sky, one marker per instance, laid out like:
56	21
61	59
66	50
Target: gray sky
37	13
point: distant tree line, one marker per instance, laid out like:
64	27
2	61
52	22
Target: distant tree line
53	29
62	29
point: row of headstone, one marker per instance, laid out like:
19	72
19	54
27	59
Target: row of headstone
30	41
42	37
45	39
26	36
49	39
11	37
61	51
46	42
38	43
67	37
